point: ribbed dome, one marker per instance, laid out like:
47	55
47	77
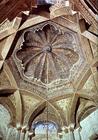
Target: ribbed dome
47	54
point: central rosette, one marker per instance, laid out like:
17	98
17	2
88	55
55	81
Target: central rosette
47	54
47	48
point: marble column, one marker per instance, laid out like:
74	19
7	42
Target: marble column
18	132
23	131
71	135
26	135
9	133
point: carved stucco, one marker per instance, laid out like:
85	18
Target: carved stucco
90	83
4	80
28	104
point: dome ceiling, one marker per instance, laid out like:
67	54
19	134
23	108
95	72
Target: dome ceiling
46	54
